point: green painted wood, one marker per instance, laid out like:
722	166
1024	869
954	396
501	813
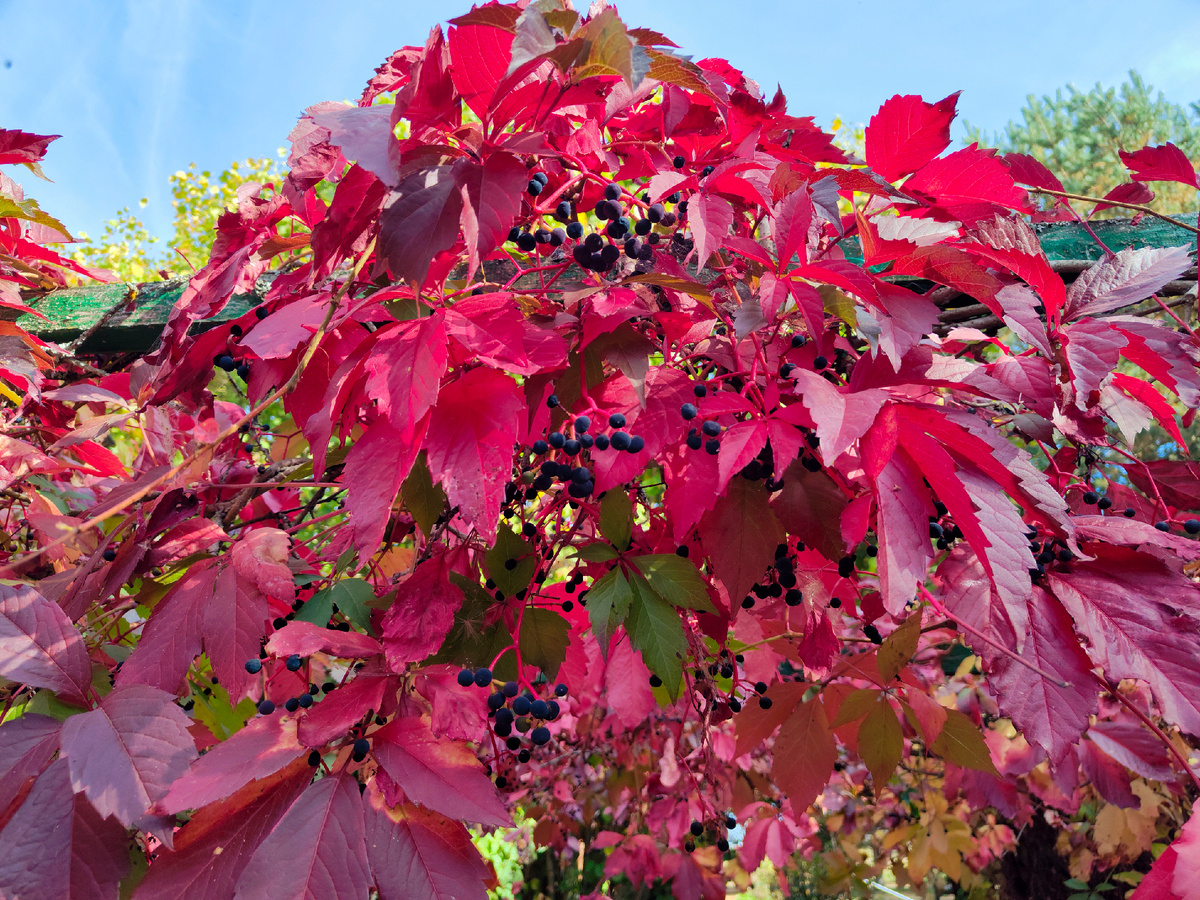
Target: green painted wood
141	312
144	309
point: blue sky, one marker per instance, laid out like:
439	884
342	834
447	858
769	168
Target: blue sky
141	88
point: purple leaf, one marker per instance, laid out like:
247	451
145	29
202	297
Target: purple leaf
39	646
1128	605
1122	280
364	135
126	753
213	848
420	220
317	850
1050	716
26	746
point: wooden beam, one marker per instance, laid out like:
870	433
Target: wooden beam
136	314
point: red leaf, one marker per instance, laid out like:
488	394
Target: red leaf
740	443
305	638
56	845
493	328
1027	170
841	417
1050	716
627	687
260	749
710	217
1166	355
903	530
793	217
444	776
810	506
970	184
341	708
1163	163
26	746
739	536
421	615
1127	605
907	133
39	646
317	850
212	849
493	193
1130	192
1135	747
404	368
23	147
171	639
375	468
479	55
125	754
420	220
417	853
804	754
1145	393
470	443
1178	482
954	268
1010	243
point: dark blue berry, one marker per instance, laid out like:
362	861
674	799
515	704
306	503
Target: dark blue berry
226	362
521	705
503	729
361	746
1090	498
820	362
261	313
495	701
483	677
799	340
689	411
706	171
846	566
616	420
535	187
538	709
514	233
694	441
505	716
314	759
540	447
735	705
697	829
612	191
873	634
710	429
557	440
793	597
581	475
700	390
602	442
1130	512
560	690
572	447
243	370
1162	526
510	689
552	710
636	444
620	440
540	177
292	704
526	242
642	227
540	735
294	662
109	554
563	210
1192	526
253	666
679	162
582	424
266	707
575	231
1104	503
513	743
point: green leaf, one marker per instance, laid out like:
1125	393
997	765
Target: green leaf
856	705
423	499
1075	884
471	642
318	608
544	638
675	580
881	742
656	632
596	552
616	518
608	605
899	646
961	742
354	597
30	211
509	545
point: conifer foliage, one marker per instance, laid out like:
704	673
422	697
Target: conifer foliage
660	509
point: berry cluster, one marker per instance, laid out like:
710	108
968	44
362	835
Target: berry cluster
594	252
697	830
573	443
512	710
